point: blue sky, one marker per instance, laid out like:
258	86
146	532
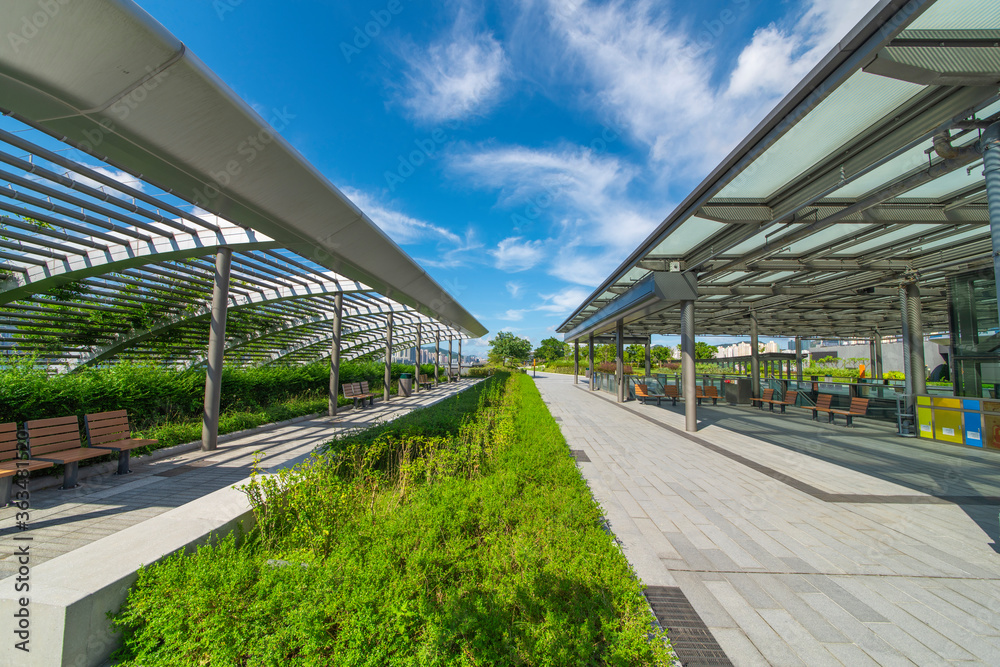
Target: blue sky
518	150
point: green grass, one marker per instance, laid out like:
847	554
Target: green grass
461	534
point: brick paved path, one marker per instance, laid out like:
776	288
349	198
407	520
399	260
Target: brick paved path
806	545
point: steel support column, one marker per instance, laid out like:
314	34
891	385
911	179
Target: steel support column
649	342
754	358
416	366
450	358
216	350
990	144
798	358
590	361
387	377
620	359
877	361
915	326
338	312
576	361
437	356
687	366
459	358
908	376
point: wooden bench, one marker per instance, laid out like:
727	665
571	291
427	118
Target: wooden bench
822	405
353	391
110	430
768	397
643	394
790	398
670	391
58	440
11	461
859	407
707	392
424	382
366	391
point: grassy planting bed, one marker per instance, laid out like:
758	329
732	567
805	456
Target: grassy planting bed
460	534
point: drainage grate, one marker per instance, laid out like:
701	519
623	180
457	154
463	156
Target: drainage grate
173	472
558	419
579	455
692	640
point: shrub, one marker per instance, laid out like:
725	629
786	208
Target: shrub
459	534
611	367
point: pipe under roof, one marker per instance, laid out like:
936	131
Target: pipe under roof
105	77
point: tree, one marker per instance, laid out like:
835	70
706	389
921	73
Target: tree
550	350
701	350
635	355
604	353
661	353
704	350
506	347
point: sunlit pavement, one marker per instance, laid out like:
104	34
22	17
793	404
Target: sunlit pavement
799	543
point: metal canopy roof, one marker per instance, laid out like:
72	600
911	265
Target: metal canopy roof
98	270
105	77
94	269
838	197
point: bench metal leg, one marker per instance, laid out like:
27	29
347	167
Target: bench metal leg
69	475
123	462
850	420
6	485
815	416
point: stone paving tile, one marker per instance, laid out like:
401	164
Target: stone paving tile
61	521
785	575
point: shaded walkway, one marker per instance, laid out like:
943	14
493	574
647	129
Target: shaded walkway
809	545
61	521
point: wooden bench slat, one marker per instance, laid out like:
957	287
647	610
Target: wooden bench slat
72	455
35	424
119	445
27	464
111	414
57	429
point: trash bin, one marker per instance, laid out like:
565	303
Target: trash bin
405	384
738	391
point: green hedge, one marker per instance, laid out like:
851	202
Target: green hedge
154	395
461	534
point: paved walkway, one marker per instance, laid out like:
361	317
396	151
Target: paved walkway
61	521
797	543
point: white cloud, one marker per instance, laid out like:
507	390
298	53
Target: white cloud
652	74
456	77
122	177
590	218
517	254
514	289
407	230
776	58
564	302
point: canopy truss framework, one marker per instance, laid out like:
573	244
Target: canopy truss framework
99	267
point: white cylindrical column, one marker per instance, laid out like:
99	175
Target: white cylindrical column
754	358
216	349
387	377
687	366
338	311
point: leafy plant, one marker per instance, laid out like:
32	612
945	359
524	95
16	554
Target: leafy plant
460	534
